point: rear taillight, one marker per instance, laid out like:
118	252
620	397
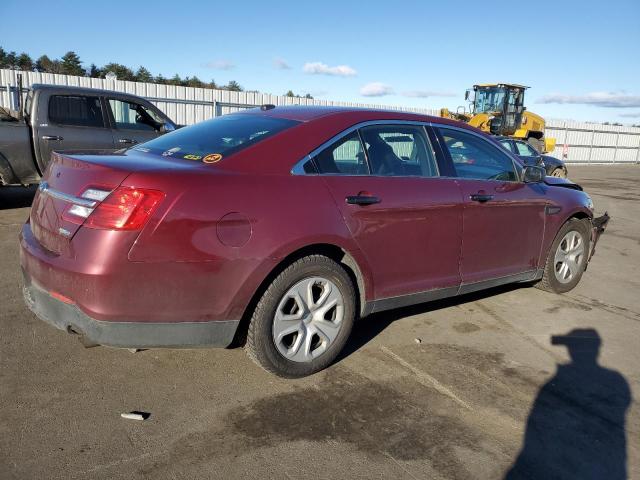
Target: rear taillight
125	208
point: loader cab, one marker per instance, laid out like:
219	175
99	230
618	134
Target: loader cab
504	103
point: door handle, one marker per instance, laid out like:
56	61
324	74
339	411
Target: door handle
362	199
480	197
52	137
127	141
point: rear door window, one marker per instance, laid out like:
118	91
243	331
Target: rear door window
218	137
399	151
76	110
475	157
346	157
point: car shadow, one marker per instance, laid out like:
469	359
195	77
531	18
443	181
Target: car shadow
16	197
370	327
576	426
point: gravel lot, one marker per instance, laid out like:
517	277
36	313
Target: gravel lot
456	405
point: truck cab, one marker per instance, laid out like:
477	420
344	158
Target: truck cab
61	118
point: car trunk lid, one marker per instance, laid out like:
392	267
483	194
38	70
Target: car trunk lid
64	186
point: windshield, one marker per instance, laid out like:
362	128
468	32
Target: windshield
489	99
214	139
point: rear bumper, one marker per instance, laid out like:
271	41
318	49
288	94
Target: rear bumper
598	226
68	317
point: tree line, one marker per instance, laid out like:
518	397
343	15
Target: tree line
70	64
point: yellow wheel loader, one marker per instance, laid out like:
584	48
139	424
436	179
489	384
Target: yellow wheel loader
498	108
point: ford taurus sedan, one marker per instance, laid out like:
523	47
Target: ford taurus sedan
277	227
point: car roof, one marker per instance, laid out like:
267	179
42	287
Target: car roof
85	90
307	113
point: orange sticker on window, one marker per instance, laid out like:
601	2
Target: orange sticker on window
212	158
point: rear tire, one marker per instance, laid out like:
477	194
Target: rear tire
303	319
567	258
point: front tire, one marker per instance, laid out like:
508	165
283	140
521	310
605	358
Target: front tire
303	319
559	173
567	258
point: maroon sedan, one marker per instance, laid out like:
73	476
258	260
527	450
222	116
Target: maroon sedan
279	226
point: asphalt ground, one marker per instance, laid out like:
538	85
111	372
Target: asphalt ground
485	393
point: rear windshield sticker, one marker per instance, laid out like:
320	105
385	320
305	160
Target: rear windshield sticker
192	157
170	152
212	158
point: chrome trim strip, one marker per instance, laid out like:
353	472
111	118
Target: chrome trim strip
298	168
44	188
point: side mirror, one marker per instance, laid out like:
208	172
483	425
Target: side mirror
469	95
166	128
533	174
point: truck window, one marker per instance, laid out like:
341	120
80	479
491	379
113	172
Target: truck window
76	110
133	116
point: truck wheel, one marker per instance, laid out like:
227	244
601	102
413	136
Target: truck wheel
567	258
303	319
536	143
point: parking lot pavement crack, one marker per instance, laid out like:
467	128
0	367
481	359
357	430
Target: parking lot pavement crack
404	469
426	379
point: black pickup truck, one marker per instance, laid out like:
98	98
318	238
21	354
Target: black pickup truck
57	118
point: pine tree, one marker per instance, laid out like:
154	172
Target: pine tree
144	75
233	86
71	64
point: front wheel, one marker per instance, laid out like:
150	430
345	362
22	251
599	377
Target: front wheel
567	258
558	172
303	319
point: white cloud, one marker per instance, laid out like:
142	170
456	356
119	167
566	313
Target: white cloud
221	65
630	115
319	68
427	93
376	89
598	99
281	64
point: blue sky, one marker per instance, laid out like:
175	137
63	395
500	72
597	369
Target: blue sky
580	58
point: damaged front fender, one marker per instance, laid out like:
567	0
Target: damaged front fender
598	226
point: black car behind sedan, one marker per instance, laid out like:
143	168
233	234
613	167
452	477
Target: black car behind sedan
530	156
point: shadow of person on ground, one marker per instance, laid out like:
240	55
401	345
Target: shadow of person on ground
576	427
16	197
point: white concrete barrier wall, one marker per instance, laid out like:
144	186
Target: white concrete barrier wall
585	142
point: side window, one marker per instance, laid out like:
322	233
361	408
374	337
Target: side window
507	144
76	110
133	116
399	150
474	157
346	157
525	150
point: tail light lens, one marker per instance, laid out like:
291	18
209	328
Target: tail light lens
125	208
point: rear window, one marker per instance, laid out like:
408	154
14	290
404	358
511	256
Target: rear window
216	138
76	110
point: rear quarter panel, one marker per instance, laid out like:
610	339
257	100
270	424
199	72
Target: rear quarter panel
278	214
